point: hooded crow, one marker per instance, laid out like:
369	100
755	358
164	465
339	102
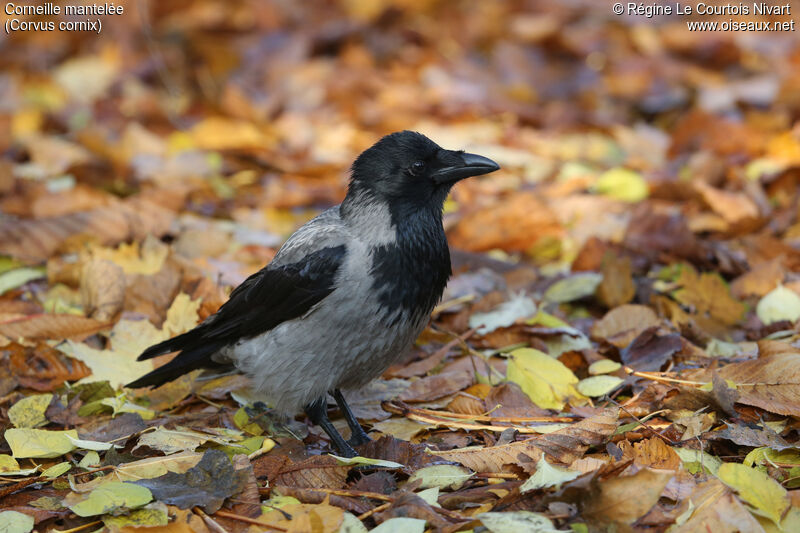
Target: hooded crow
345	296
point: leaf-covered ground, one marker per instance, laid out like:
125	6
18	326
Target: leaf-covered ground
618	349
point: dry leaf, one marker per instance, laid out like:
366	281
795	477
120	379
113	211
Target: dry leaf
565	446
772	382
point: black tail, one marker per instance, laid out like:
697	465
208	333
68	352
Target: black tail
194	354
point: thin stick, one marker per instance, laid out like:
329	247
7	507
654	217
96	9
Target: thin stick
210	522
501	475
350	493
374	510
79	528
644	424
511	419
246	519
650	376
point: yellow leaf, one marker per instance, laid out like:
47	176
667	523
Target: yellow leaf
622	184
39	443
216	133
547	382
181	315
135	260
598	385
756	488
110	497
708	293
117	365
779	304
29	412
8	463
604	366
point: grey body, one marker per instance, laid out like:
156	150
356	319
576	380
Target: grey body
344	341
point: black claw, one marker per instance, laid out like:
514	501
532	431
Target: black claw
317	411
357	434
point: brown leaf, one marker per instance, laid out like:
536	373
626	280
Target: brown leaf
565	445
413	456
436	386
623	500
617	287
716	509
517	224
750	436
507	399
42	368
624	323
772	382
408	504
734	207
52	326
37	239
322	471
649	351
759	280
651	453
102	287
708	294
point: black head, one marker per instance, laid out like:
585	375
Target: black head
408	167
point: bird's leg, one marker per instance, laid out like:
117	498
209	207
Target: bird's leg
317	411
357	434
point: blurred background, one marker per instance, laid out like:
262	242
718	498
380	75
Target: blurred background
239	119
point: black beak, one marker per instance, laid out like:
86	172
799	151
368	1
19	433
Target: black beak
467	165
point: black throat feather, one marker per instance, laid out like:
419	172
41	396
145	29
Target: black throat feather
410	274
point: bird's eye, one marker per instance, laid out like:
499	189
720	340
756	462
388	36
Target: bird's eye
418	167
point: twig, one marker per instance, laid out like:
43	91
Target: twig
651	376
500	475
511	419
374	510
247	520
210	522
350	493
20	485
79	528
444	419
644	424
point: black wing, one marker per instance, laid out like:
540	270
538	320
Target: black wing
264	300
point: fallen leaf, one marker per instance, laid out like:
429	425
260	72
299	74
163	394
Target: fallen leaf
546	381
709	295
623	500
772	382
573	288
108	498
504	315
565	445
617	287
547	475
14	522
717	509
649	351
596	386
51	326
207	484
756	488
603	366
779	304
622	184
57	470
39	443
152	515
441	476
18	277
102	286
29	412
624	323
400	525
515	521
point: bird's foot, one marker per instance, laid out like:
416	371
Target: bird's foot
358	438
345	449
